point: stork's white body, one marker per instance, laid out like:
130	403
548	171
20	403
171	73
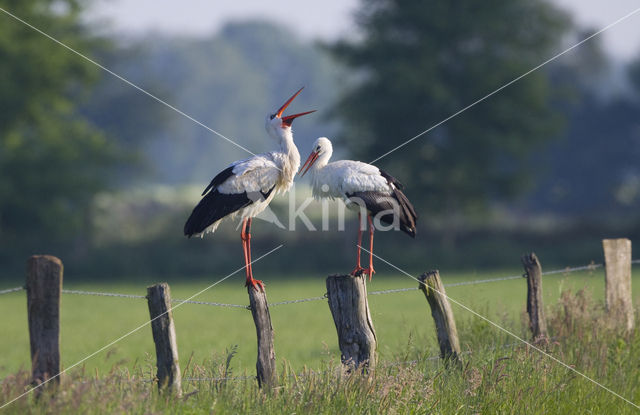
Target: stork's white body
360	186
246	187
343	177
268	173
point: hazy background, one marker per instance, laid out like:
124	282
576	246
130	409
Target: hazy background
328	20
101	175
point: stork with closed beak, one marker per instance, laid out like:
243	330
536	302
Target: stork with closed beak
360	186
246	187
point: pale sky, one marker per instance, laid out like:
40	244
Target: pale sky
328	19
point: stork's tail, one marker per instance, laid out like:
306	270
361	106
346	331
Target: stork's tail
408	215
213	207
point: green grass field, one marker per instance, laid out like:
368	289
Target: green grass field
305	334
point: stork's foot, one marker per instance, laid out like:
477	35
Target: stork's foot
369	271
357	271
256	284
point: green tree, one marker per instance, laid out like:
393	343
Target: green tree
420	62
591	173
52	160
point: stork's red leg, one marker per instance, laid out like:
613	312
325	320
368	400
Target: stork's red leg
246	237
358	269
370	270
248	234
243	236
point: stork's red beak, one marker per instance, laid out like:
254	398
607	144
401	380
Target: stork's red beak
312	159
287	120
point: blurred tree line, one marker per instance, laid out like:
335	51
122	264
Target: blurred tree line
52	159
562	141
422	62
559	136
229	81
591	171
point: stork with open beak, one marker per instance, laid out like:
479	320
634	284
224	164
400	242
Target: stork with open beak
246	187
362	187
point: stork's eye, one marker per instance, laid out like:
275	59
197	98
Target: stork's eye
318	148
272	116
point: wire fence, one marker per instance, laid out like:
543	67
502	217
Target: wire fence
11	290
143	297
566	270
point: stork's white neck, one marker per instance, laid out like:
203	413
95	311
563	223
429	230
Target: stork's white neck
286	140
320	176
321	162
292	156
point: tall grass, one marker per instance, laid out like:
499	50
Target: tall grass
496	377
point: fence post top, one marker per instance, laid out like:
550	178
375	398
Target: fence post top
158	284
428	274
616	240
45	257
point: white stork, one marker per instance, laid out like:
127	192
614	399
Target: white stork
360	186
247	186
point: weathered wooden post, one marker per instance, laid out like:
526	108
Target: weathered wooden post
266	364
433	290
350	310
617	289
164	337
535	306
44	285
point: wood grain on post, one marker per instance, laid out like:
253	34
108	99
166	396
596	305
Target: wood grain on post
432	287
164	337
350	309
617	289
266	364
535	306
44	285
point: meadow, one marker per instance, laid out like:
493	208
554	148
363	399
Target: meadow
306	342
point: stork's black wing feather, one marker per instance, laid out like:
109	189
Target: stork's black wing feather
389	205
219	179
390	179
215	206
386	207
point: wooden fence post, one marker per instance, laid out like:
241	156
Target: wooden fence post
266	363
44	284
617	289
350	309
432	287
535	306
164	337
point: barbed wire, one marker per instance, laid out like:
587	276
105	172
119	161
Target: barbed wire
391	291
102	294
11	290
143	297
246	307
301	300
474	282
589	267
566	270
